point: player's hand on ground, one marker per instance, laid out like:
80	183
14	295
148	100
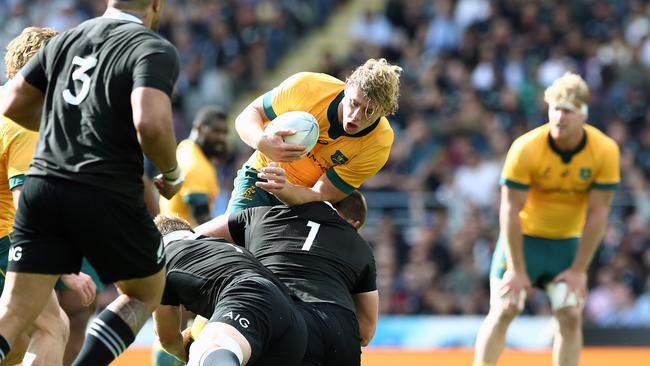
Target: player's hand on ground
272	145
166	188
276	178
576	281
83	285
513	284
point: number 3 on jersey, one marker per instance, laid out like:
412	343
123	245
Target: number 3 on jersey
313	230
80	74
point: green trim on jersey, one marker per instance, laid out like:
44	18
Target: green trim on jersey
338	182
513	184
267	102
196	198
605	187
16	181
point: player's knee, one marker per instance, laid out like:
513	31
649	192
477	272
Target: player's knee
504	315
569	318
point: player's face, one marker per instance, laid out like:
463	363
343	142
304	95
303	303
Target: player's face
212	139
358	112
565	123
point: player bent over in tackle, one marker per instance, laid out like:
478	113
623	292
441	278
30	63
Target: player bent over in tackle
556	190
253	319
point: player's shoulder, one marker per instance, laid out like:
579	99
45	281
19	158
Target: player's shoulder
383	134
599	139
533	139
313	79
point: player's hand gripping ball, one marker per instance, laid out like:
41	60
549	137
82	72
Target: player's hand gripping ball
305	125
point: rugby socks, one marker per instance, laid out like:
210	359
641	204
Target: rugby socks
4	348
477	363
107	337
219	356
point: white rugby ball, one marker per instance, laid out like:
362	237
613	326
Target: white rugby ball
305	125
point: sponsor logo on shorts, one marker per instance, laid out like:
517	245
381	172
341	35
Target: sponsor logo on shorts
15	253
243	322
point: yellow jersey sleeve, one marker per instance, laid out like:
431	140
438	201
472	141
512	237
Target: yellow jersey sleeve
290	95
19	150
609	175
517	168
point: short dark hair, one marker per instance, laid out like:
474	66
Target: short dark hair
208	115
169	223
353	207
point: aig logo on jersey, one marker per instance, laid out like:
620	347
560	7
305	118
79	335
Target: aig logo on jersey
15	253
243	322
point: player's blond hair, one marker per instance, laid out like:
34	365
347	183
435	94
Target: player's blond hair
24	46
569	88
379	82
169	223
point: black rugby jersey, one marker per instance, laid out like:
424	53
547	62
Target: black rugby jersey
198	270
87	75
317	254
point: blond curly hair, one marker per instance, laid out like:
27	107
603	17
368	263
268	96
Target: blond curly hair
23	47
570	88
379	82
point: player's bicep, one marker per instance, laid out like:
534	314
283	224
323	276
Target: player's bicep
217	227
22	102
513	199
151	107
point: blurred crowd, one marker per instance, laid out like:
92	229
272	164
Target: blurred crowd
474	74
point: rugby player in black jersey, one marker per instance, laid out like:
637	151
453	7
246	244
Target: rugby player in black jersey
99	94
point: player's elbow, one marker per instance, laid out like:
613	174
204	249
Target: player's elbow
366	335
152	127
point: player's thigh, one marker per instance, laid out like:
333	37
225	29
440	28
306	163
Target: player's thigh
534	257
5	242
265	316
333	334
41	241
245	194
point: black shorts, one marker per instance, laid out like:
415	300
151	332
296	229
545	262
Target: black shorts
59	222
333	335
266	317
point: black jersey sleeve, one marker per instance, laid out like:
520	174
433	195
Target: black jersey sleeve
169	297
157	67
239	223
34	72
368	280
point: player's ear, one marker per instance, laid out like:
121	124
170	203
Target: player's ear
156	5
355	223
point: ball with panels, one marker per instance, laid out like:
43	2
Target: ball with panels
305	125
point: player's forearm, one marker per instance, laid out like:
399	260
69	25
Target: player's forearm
159	144
293	195
592	234
249	126
511	229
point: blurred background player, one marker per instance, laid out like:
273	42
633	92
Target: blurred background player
196	157
94	177
316	251
557	186
252	315
18	144
354	142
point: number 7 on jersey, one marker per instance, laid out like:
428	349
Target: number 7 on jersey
313	230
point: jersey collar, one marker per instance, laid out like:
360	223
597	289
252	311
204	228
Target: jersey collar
336	127
178	235
567	155
112	13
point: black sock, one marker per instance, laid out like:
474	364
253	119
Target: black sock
4	348
107	337
219	356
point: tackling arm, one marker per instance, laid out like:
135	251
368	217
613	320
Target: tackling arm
167	321
292	195
367	309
